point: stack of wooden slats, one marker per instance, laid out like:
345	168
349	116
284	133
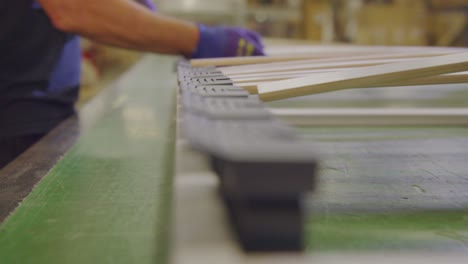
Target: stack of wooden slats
330	68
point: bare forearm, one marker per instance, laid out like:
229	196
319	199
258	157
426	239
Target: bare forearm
123	23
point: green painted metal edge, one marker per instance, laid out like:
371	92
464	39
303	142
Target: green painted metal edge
109	199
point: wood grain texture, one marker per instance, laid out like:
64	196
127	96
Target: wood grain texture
108	199
364	76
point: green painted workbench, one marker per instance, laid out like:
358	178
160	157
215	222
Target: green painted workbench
108	199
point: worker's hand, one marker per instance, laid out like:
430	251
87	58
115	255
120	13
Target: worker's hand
227	42
148	3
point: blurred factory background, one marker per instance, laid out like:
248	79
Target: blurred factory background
365	22
374	22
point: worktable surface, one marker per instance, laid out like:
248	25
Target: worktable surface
389	188
384	193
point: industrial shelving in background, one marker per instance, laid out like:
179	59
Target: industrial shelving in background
387	22
366	22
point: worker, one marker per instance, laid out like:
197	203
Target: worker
40	62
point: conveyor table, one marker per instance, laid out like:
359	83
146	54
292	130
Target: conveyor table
385	194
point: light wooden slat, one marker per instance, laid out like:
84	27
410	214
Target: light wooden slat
431	80
315	51
271	78
364	77
450	78
373	116
249	69
290	47
461	77
261	77
318	66
263	59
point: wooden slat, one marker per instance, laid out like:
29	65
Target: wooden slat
461	77
249	69
262	77
315	52
373	116
364	77
262	59
320	66
262	74
252	87
292	47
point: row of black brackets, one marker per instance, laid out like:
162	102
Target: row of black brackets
264	168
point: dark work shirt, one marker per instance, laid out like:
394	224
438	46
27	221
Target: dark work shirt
39	70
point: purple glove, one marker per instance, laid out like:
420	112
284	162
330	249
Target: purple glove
148	3
227	42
